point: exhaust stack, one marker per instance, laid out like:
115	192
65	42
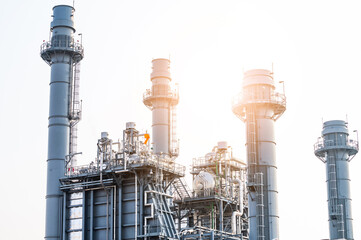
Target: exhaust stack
162	101
62	54
259	106
336	150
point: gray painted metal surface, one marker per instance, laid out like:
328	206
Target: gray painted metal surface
336	150
123	195
259	106
61	53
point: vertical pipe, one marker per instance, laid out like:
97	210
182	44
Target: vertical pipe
114	211
91	220
221	215
84	216
141	207
64	216
111	213
120	212
136	206
60	53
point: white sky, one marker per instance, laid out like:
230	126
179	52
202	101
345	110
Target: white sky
315	47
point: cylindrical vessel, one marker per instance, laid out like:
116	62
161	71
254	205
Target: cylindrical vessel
61	54
161	99
336	150
259	106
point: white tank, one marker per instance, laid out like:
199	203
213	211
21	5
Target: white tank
204	180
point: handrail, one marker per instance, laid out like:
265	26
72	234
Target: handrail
250	97
201	161
62	44
321	144
173	93
162	163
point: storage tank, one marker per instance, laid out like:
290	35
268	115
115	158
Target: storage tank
204	180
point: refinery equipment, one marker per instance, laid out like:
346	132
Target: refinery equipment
63	54
336	150
259	106
215	208
134	189
123	194
162	100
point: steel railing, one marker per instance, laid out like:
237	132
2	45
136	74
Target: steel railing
202	161
322	144
163	163
250	97
167	94
62	45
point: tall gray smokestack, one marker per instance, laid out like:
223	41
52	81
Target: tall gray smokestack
336	150
61	53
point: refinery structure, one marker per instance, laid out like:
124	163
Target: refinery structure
135	189
336	150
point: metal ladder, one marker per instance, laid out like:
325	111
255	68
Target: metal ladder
340	222
333	185
336	212
255	178
251	143
174	141
260	206
74	114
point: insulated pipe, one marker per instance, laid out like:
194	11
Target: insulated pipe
161	100
61	54
234	221
240	196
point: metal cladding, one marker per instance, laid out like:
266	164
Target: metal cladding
336	150
122	194
259	106
162	100
61	53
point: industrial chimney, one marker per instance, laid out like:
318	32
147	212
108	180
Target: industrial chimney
336	150
62	54
162	100
259	106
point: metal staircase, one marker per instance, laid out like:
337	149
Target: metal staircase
163	211
181	188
